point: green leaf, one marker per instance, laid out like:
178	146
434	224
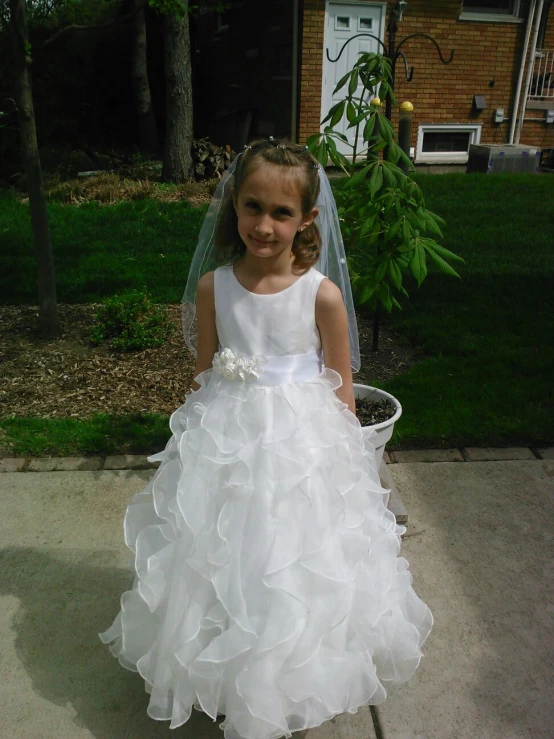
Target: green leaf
351	113
313	142
392	153
359	176
382	269
366	293
393	230
418	266
440	221
395	274
341	83
388	178
379	146
332	111
353	84
406	159
369	127
321	153
444	252
442	265
385	297
430	225
367	225
341	136
337	115
376	180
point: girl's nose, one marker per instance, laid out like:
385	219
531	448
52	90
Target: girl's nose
263	225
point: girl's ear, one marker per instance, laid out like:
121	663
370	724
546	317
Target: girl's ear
310	218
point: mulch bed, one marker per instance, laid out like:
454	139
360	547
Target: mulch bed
69	377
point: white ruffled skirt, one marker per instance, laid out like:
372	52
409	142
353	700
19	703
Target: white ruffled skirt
268	583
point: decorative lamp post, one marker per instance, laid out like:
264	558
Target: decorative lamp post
405	131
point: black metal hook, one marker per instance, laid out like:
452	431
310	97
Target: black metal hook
369	35
431	39
410	74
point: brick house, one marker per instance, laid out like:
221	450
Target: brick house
266	66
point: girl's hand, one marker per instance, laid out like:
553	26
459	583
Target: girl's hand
208	341
332	322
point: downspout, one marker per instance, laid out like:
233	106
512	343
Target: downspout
295	66
521	70
532	55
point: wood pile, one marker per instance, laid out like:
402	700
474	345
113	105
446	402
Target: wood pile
210	160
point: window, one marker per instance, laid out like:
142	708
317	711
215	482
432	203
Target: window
491	10
439	143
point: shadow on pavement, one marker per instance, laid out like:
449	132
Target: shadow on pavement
65	600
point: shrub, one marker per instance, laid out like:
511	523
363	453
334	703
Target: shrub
131	322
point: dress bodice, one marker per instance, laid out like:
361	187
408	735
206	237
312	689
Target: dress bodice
279	324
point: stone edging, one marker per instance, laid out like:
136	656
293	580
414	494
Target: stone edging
139	462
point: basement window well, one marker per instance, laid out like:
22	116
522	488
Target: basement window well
439	143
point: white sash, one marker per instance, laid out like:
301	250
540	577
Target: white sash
290	368
267	370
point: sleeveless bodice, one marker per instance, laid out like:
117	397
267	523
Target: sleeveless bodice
272	325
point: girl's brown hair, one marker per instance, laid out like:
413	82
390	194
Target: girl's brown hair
306	244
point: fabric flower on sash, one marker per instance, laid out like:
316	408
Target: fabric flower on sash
232	367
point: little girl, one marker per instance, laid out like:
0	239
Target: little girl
268	584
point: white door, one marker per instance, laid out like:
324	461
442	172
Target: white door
344	21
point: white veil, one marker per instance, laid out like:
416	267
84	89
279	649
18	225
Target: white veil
331	263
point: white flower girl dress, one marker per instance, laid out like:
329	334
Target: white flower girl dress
268	583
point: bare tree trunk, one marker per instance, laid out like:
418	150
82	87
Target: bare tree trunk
148	132
48	308
177	165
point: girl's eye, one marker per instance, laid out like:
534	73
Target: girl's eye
284	212
251	204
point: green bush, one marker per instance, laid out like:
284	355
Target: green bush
131	322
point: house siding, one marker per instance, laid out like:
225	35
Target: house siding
486	62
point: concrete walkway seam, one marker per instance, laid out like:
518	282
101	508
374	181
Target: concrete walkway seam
139	462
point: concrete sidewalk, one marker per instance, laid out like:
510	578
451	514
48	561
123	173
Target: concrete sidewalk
478	543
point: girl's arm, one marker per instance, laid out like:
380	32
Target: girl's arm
332	322
208	342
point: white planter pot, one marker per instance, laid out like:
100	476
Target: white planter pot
383	430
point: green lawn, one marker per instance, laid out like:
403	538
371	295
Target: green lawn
100	250
486	375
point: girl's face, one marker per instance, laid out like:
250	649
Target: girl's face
269	211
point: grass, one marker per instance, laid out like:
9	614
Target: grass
100	250
485	378
101	434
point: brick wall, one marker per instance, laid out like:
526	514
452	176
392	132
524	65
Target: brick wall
486	62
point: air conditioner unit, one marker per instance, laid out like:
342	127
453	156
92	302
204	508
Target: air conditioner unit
495	158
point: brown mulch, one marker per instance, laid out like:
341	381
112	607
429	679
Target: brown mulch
69	377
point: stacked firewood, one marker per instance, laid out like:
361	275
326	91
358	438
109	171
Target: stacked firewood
209	160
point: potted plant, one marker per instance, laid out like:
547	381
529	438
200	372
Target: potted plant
388	231
378	411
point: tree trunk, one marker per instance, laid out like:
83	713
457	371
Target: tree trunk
148	132
48	308
177	165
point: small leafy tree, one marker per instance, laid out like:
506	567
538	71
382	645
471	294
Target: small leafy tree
387	229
